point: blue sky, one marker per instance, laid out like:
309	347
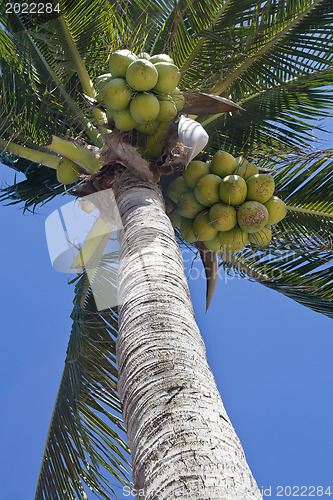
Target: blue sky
271	357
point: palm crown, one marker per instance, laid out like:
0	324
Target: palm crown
274	59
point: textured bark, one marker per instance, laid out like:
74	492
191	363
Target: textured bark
182	442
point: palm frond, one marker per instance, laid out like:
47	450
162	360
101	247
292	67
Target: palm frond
39	187
85	443
288	114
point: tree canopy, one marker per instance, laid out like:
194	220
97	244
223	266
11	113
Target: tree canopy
273	58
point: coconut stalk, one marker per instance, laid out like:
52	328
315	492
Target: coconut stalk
39	157
79	155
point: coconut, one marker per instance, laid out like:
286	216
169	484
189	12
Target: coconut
116	94
178	98
141	75
232	190
148	129
110	114
68	172
188	206
101	80
222	164
119	62
260	187
177	188
168	77
160	58
241	161
202	227
246	170
144	55
233	240
223	217
262	237
214	245
277	210
168	109
123	120
144	108
186	229
206	189
175	218
252	216
194	170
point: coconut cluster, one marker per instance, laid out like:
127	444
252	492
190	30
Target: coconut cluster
226	203
140	92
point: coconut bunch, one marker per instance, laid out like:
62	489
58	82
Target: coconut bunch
226	203
140	92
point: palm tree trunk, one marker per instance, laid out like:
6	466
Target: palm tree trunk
182	442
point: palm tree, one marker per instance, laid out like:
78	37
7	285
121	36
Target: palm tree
147	360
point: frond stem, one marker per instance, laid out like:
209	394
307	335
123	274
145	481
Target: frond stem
307	211
39	157
79	155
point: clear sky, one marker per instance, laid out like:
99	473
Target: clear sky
271	357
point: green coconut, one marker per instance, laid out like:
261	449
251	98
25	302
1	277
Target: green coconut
168	77
241	161
178	98
214	245
148	129
233	240
232	190
175	218
252	216
144	108
68	172
177	188
194	170
202	227
160	58
186	229
277	210
116	94
141	75
110	114
188	206
124	121
223	217
101	80
168	110
246	170
260	187
119	62
222	164
144	55
206	189
155	142
262	237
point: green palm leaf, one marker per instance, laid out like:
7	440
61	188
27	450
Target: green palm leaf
285	114
84	443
